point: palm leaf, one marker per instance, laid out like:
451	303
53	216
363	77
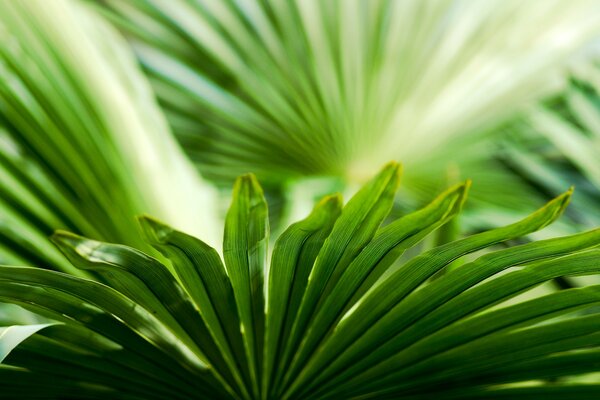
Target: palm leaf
300	88
84	145
562	140
303	89
328	317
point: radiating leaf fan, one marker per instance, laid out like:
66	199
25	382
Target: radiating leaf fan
332	316
295	89
287	88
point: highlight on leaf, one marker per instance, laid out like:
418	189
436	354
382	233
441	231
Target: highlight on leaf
344	307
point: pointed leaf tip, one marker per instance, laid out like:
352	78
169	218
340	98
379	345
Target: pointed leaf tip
552	210
248	186
154	231
393	168
248	180
459	193
65	239
331	202
393	165
564	199
464	193
74	246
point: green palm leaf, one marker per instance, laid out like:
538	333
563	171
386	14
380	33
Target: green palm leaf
336	313
84	146
297	89
330	88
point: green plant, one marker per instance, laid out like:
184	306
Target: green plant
310	88
351	302
332	315
298	89
83	144
559	142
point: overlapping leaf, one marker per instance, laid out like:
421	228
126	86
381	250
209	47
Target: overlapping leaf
326	320
83	144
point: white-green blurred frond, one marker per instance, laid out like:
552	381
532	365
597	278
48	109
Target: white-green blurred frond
335	87
83	144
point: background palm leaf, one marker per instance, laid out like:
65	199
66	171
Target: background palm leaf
84	145
294	89
287	88
558	142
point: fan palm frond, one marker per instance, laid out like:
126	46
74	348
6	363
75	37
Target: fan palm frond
83	144
326	318
330	88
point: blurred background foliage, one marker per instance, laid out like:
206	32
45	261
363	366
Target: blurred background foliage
452	89
111	108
